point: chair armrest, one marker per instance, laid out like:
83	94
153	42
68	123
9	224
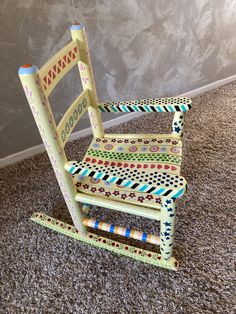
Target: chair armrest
174	190
178	104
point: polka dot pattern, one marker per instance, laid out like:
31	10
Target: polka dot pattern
145	157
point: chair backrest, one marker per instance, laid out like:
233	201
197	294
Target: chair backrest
76	52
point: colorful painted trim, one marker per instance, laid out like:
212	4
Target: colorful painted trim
164	186
153	177
140	166
140	141
125	232
138	149
76	27
182	104
103	189
60	64
105	243
27	69
72	116
144	157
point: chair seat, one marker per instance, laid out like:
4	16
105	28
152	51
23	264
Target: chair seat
143	160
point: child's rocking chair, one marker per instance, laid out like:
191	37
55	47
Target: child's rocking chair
136	174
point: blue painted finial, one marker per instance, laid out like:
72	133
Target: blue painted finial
76	26
27	69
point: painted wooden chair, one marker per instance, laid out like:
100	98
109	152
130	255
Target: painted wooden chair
136	174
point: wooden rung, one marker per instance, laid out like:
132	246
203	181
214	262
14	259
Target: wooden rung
125	232
127	208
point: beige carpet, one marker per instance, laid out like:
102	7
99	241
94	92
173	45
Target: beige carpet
45	272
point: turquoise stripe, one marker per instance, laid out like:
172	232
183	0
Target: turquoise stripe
143	188
183	107
135	108
113	179
147	108
160	191
114	109
171	108
99	175
125	109
159	109
101	108
71	169
84	172
127	183
178	194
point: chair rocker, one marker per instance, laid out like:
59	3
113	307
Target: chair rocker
136	174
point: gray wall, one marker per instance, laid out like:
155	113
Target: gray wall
138	48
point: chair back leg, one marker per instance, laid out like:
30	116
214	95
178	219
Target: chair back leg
46	124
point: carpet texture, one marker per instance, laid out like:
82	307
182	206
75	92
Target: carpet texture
45	272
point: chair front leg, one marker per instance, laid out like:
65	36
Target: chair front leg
167	227
178	124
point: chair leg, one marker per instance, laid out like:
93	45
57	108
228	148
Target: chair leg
85	208
167	227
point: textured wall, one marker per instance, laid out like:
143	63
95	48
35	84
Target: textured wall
139	49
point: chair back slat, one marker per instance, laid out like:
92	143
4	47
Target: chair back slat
57	67
72	116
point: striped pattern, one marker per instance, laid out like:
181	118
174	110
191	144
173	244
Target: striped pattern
148	105
126	232
161	190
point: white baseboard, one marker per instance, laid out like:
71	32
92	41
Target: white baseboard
208	87
116	121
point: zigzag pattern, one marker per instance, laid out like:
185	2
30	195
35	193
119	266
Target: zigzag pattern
79	169
59	66
148	105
